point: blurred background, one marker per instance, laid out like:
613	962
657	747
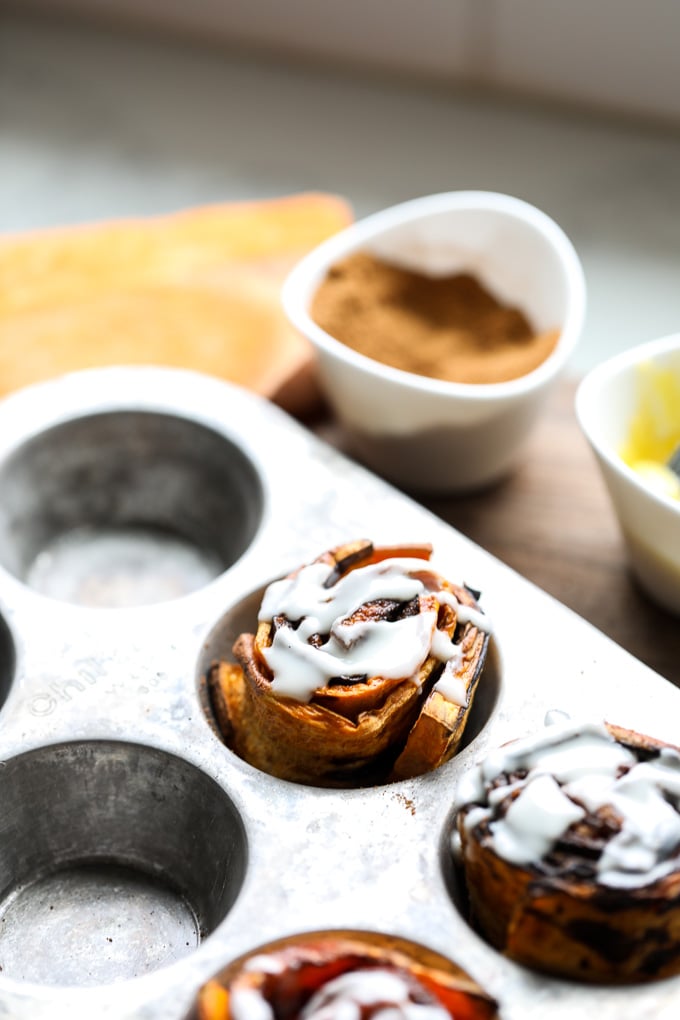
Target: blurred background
126	107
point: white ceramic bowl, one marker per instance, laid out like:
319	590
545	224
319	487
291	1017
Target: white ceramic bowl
428	434
606	401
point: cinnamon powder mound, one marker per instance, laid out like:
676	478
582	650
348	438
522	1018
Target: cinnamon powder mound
447	327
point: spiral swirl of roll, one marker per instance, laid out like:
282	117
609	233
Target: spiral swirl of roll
362	669
569	841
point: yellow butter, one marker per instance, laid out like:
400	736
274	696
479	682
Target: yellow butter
654	430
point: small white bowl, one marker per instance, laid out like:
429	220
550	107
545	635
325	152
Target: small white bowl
606	401
424	433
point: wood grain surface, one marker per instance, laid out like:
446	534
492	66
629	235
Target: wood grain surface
552	522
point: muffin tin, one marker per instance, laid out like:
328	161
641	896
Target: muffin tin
141	513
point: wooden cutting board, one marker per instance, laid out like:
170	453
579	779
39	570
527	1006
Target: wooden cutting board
197	289
552	522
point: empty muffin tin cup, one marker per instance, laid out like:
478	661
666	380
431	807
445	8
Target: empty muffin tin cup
125	508
115	859
7	661
429	434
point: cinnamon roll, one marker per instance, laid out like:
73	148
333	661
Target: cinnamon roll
569	842
362	670
343	976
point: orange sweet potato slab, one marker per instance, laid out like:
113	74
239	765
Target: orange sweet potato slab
197	289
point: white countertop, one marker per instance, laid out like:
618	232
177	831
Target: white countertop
97	123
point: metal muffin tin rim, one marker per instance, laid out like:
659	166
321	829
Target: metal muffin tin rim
312	497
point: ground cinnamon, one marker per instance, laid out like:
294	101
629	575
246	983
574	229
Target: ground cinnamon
444	327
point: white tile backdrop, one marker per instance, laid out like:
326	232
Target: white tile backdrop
619	55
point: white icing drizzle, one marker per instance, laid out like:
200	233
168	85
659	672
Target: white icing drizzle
249	1004
469	615
343	997
304	594
538	816
263	963
391	649
449	685
574	768
466	614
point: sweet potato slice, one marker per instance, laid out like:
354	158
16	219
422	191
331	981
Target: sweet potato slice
353	728
197	289
437	732
304	742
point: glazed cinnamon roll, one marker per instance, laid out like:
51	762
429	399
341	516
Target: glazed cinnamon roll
362	670
343	976
569	843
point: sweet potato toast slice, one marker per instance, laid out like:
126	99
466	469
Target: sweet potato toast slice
197	289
